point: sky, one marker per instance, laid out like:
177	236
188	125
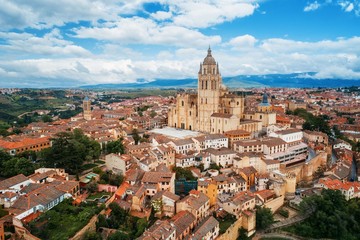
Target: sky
71	43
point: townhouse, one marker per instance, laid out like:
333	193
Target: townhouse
222	157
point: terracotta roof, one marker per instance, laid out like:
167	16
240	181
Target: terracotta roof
39	176
5	184
237	132
246	143
208	224
25	142
220	151
222	115
288	131
156	177
181	142
182	221
161	229
167	194
272	142
210	137
42	196
195	201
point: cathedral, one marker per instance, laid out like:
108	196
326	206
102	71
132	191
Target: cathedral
213	109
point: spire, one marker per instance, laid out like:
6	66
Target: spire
209	51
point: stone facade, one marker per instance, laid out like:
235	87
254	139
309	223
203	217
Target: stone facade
196	111
87	109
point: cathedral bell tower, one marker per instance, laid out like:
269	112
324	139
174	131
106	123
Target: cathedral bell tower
209	84
87	108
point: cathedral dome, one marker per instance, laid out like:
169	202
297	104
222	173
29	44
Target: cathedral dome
209	60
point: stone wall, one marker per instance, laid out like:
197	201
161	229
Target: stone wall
232	232
275	204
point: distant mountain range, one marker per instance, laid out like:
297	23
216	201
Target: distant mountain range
293	80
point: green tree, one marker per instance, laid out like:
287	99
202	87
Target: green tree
183	173
115	147
46	118
136	136
92	236
243	234
119	236
24	166
264	218
66	152
153	114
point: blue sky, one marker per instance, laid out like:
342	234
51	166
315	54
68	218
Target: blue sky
67	43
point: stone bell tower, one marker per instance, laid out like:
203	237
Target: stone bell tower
87	108
209	84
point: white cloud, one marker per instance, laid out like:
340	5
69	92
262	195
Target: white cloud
244	42
312	6
138	30
45	14
330	59
51	43
20	14
288	56
208	13
161	15
347	6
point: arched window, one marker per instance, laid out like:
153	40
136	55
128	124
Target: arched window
190	113
237	103
182	103
205	100
206	84
260	116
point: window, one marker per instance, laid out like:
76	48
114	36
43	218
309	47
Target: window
190	113
182	103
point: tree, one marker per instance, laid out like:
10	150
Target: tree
92	187
46	118
92	236
136	136
264	218
115	147
119	236
243	234
153	114
329	216
69	150
183	173
15	165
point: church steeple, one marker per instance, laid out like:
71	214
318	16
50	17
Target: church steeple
209	60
